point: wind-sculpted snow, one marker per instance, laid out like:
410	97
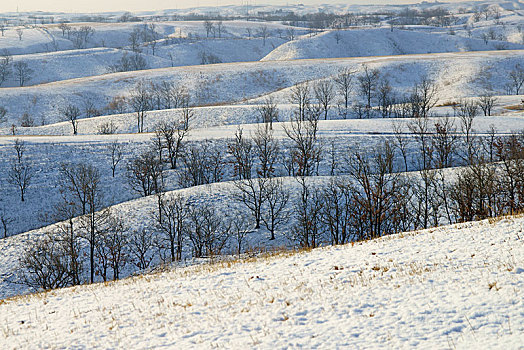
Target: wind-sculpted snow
452	287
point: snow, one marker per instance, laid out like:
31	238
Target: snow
451	287
377	42
458	286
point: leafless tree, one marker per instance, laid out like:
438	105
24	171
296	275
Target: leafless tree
5	221
135	39
141	246
516	79
82	181
145	174
241	150
172	224
208	233
112	247
307	230
3	27
266	149
276	198
344	82
172	135
300	95
3	113
71	113
140	102
290	33
401	142
5	66
20	33
82	36
116	153
486	102
22	72
263	32
107	128
336	213
202	164
423	98
337	36
66	28
467	111
368	83
324	93
44	265
208	26
268	112
20	173
306	150
240	228
220	28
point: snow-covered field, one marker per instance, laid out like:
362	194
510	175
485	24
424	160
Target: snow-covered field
450	287
457	286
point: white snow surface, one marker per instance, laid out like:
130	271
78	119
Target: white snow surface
378	42
451	287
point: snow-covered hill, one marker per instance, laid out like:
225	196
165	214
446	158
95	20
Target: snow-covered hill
456	74
379	42
451	287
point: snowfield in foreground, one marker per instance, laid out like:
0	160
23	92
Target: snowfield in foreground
451	287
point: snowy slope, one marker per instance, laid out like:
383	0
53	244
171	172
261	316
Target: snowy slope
378	42
455	73
451	287
71	64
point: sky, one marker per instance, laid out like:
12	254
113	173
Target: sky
137	5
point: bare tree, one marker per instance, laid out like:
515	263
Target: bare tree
307	230
203	164
141	246
20	173
423	98
268	112
263	32
172	135
66	28
20	33
140	102
306	149
71	113
300	95
276	198
266	150
325	93
208	26
467	111
82	181
220	28
22	72
344	82
241	150
486	102
44	265
5	221
290	33
240	227
112	246
3	27
172	224
5	66
145	174
135	39
116	152
367	83
516	79
3	113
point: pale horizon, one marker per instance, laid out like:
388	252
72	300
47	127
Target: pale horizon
72	6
